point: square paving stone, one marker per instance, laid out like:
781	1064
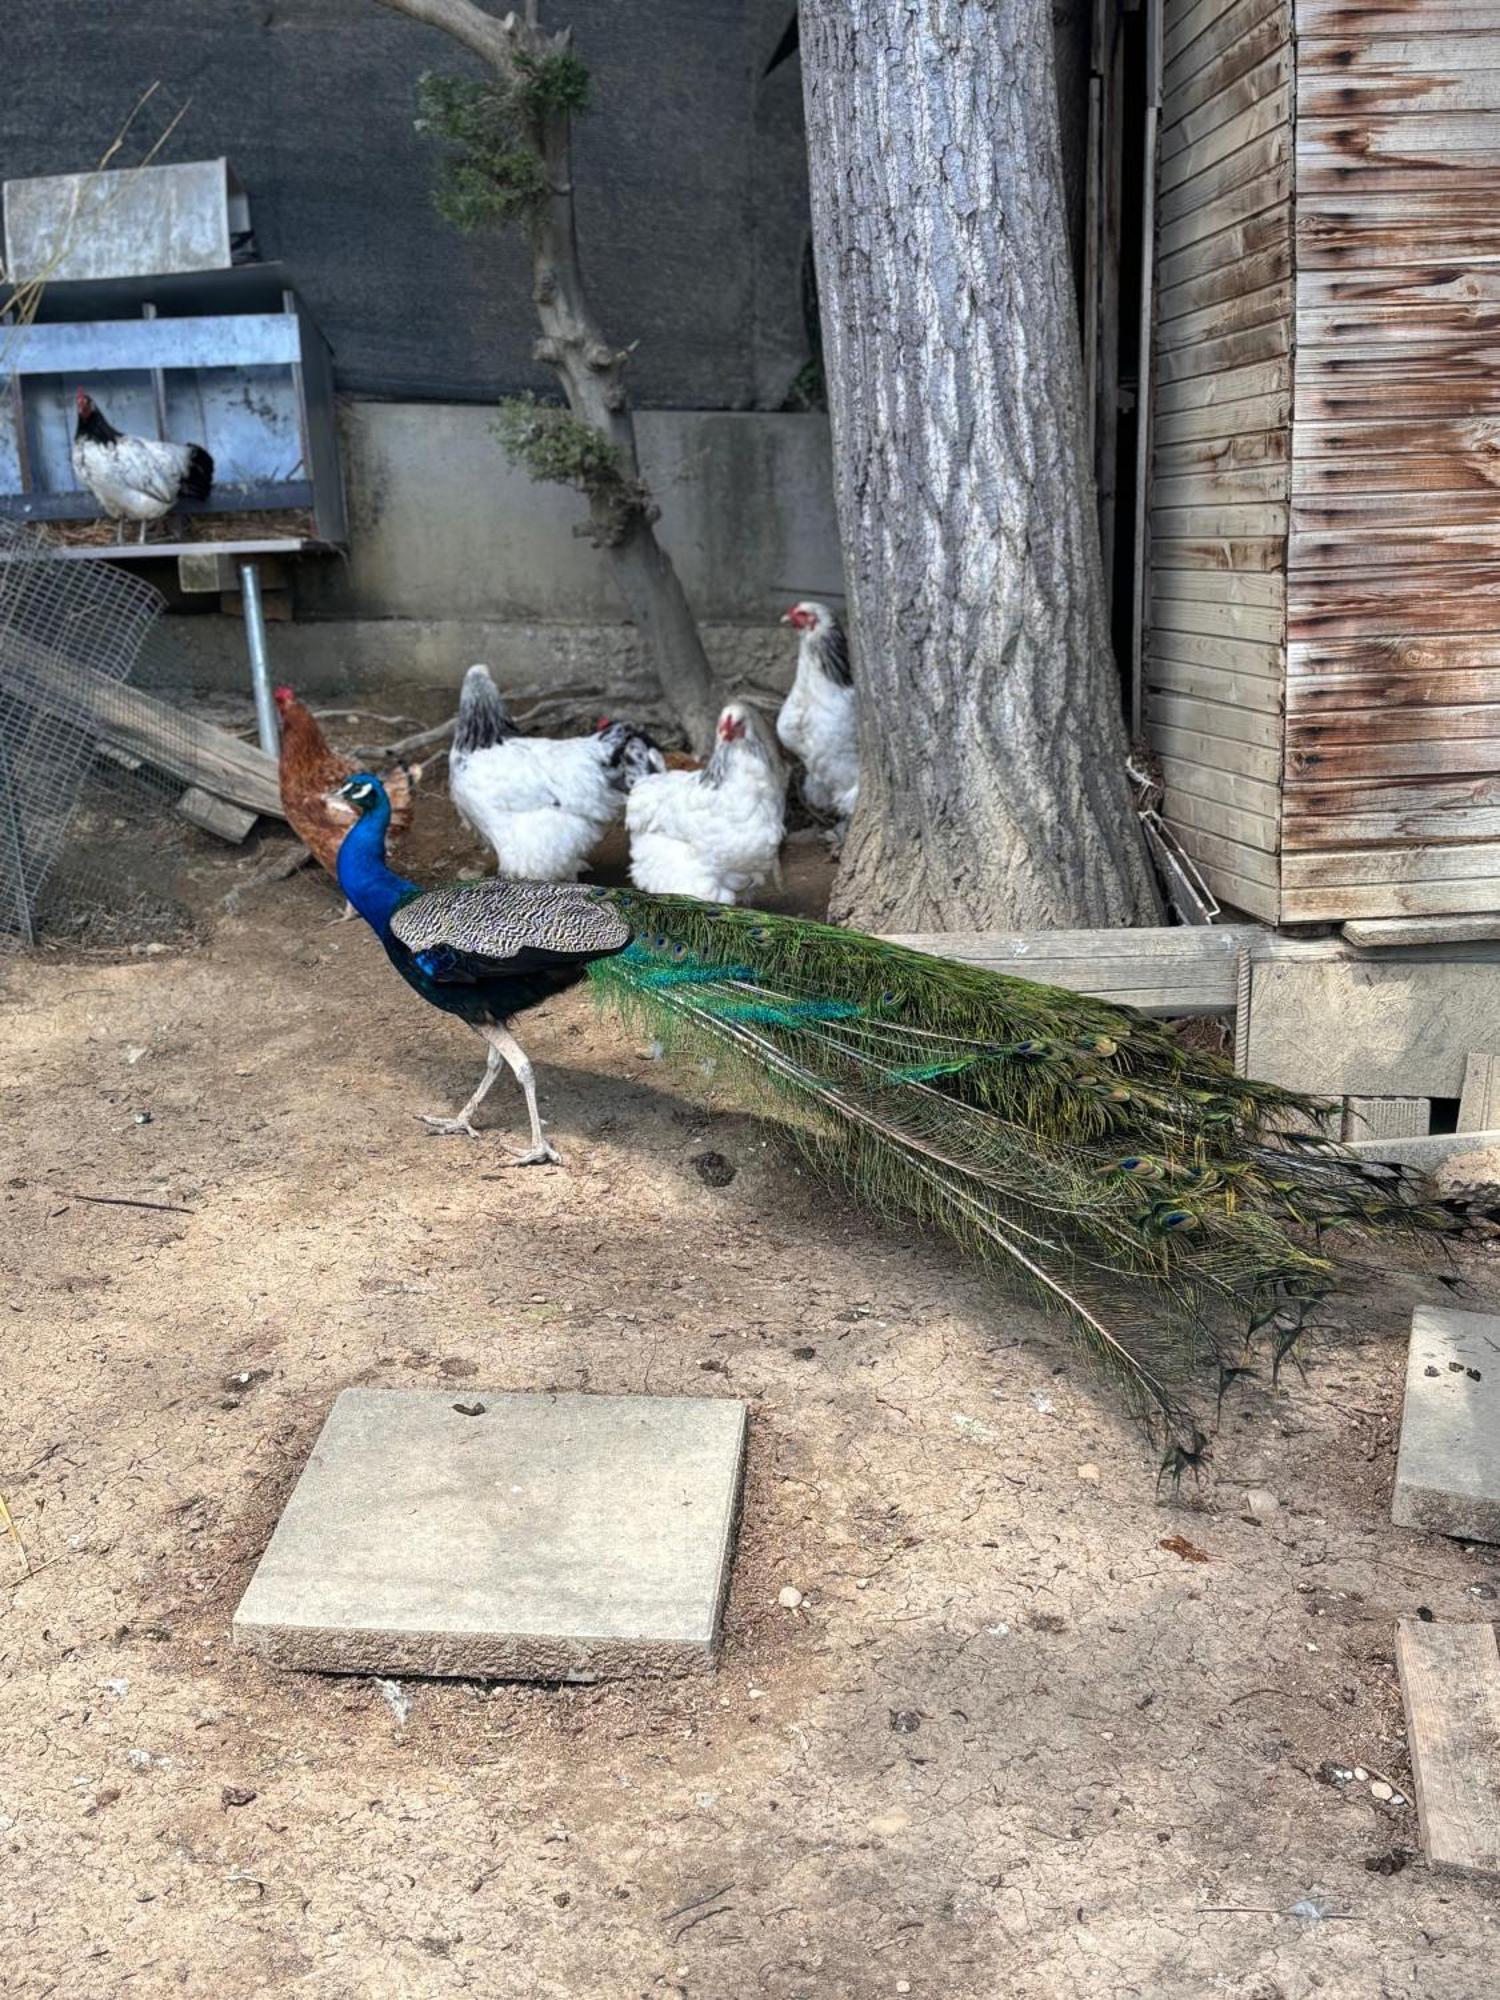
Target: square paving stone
1448	1465
535	1537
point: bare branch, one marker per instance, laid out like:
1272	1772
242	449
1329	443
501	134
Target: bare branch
488	38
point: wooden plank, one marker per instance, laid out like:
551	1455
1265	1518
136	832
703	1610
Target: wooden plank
1251	345
1384	932
1364	545
1268	191
1184	969
1316	697
1360	146
1261	694
1230	553
1213	753
1218	60
1259	104
1409	475
1385	1118
1188	26
1479	1101
1416	654
1265	593
1388	866
1345	240
214	815
1423	59
1188	810
1227	316
1248	519
1371	1027
1213	718
1450	1684
1378	89
1341	605
1240	859
1228	281
1426	756
1243	110
1264	379
1253	167
1449	173
1262	452
1231	246
1394	17
1369	328
1205	619
168	739
1459	1159
1336	904
1234	892
1261	658
1302	832
1255	421
1253	797
1410	282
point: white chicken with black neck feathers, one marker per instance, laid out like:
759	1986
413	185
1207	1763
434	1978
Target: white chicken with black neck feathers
542	802
819	720
715	833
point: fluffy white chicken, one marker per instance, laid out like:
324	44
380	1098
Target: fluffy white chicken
818	720
135	478
542	802
714	833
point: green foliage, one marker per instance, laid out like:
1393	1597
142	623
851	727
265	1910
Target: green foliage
494	173
1140	1187
552	83
554	445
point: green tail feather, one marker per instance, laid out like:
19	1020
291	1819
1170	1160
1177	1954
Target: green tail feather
1140	1187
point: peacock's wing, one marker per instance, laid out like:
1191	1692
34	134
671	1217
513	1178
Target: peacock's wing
474	931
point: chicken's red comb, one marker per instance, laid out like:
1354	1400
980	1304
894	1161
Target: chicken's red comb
602	723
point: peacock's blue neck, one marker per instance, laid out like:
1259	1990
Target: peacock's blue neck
375	890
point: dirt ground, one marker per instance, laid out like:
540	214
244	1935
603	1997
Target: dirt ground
1010	1745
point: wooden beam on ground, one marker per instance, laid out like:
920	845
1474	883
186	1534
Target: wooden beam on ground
1448	1462
1373	932
1450	1684
215	815
139	725
1187	969
1458	1159
1479	1106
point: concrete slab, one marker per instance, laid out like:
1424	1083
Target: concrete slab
545	1537
1448	1466
1371	1027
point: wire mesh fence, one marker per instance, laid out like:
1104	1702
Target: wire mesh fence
87	834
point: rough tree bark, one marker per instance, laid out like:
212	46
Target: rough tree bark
993	791
591	371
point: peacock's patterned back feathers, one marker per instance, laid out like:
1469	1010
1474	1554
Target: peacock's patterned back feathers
502	921
1143	1187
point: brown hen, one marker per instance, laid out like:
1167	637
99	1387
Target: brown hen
310	771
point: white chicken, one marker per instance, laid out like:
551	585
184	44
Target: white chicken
714	833
819	719
542	802
135	478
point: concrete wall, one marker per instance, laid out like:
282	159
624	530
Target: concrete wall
456	556
442	526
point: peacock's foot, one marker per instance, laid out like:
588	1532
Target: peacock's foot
447	1128
345	915
543	1155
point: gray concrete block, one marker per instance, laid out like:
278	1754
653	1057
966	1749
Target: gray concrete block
545	1537
1448	1467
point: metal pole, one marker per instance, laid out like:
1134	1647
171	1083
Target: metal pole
260	671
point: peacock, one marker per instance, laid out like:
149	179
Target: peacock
1172	1210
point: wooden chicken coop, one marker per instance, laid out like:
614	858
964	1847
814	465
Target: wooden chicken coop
1318	601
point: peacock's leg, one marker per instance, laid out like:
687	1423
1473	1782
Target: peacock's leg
504	1044
448	1128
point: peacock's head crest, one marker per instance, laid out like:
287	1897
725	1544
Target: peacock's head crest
364	792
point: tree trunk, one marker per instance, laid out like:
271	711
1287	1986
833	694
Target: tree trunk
993	792
592	373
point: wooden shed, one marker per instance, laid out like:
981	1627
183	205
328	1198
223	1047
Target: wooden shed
1320	612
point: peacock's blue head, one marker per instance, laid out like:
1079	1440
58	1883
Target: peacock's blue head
364	792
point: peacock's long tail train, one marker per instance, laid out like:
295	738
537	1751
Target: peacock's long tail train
1170	1208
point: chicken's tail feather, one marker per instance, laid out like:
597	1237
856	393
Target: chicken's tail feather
198	479
1080	1148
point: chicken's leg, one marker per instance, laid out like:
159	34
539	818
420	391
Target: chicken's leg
449	1128
504	1044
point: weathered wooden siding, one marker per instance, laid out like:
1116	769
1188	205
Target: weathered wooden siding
1391	800
1215	644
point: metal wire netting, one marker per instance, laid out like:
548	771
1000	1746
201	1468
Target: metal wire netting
71	635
